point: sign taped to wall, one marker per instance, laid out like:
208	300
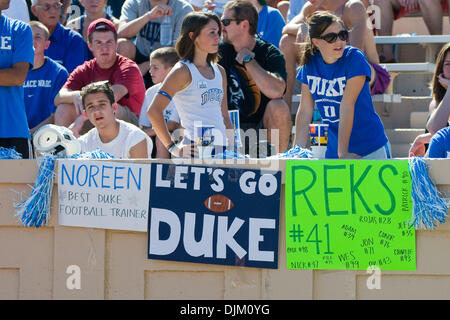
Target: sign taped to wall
103	194
224	216
349	214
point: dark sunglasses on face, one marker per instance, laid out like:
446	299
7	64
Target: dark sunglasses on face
226	22
332	36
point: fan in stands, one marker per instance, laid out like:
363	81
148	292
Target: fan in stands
218	203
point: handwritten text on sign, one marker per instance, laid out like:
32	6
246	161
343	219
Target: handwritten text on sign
223	216
103	194
349	214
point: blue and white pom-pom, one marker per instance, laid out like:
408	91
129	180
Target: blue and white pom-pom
35	210
97	154
296	152
228	154
429	207
6	153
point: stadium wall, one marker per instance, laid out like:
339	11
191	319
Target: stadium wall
36	263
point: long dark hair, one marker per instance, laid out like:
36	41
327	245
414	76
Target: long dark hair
194	22
437	89
318	22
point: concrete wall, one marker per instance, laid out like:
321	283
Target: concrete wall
114	264
415	24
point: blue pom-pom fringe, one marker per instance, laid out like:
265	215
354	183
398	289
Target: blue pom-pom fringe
35	210
296	152
429	207
228	154
6	153
97	154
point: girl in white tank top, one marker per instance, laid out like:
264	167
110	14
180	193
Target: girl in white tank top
197	84
200	104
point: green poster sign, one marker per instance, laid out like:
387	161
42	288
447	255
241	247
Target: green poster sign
349	214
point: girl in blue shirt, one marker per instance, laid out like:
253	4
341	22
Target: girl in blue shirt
336	78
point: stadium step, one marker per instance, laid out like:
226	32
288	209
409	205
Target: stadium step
397	115
400	136
400	150
418	119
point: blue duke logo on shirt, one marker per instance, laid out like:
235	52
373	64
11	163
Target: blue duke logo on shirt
5	43
213	94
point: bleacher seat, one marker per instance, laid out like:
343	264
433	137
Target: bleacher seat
429	42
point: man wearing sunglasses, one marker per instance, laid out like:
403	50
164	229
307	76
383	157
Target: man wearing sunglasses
66	46
256	74
354	15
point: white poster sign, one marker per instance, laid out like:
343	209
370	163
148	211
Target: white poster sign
103	194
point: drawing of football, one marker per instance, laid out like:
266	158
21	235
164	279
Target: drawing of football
218	203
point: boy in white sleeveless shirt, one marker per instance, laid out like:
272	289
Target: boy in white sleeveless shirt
116	137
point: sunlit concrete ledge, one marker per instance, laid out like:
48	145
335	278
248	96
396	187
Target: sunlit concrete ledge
114	265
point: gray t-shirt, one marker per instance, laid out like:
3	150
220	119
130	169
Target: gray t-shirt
147	39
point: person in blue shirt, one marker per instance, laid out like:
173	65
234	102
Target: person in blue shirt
336	77
113	8
440	144
43	82
270	22
16	57
93	10
66	46
295	7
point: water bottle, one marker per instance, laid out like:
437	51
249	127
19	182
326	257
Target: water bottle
165	35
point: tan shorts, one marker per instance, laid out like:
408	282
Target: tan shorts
123	113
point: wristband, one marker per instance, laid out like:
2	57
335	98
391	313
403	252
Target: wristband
171	149
170	146
165	94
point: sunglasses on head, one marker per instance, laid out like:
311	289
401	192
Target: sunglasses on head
332	36
47	7
226	22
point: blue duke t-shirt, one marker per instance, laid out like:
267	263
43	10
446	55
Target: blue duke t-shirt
16	45
327	84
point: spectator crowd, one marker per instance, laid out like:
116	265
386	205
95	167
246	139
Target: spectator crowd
148	78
